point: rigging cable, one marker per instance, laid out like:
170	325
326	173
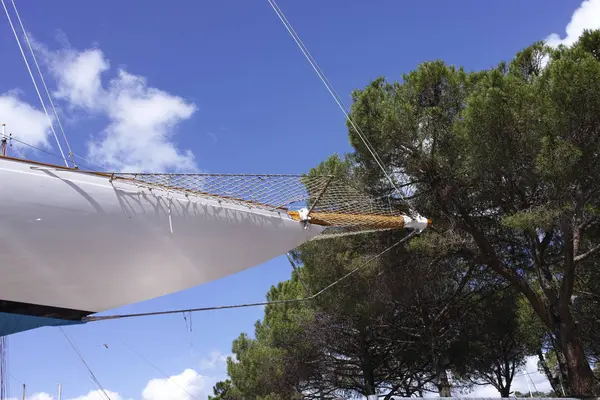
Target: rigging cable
102	167
264	303
92	375
159	370
337	98
34	83
50	153
71	155
297	272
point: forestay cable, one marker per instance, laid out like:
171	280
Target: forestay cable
159	370
34	82
335	96
264	303
71	155
85	364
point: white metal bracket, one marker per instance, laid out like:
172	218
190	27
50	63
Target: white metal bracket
418	223
303	213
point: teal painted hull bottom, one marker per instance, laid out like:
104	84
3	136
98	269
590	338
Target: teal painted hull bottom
15	323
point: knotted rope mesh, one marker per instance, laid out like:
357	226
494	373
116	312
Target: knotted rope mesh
332	202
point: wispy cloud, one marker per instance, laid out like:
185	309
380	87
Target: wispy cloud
97	394
142	119
586	16
185	386
27	123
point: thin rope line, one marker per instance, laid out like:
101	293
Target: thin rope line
85	363
34	83
336	97
159	370
245	305
319	71
44	83
531	380
34	147
102	167
297	272
48	152
327	82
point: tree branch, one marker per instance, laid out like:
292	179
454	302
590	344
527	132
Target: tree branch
588	253
497	265
460	288
548	236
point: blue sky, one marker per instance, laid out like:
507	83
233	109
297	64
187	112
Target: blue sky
220	86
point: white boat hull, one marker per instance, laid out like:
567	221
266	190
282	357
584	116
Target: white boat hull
79	241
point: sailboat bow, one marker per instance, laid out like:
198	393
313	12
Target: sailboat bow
74	243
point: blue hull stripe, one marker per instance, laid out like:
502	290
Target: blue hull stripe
14	323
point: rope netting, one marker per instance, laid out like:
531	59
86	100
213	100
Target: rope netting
332	202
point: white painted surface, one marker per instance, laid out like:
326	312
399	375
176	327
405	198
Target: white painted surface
417	223
74	240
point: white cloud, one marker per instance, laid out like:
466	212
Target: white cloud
587	16
41	396
79	75
27	124
185	386
92	395
536	380
96	395
36	396
523	382
141	119
139	134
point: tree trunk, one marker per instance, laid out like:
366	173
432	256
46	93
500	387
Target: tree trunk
557	317
554	382
563	378
508	378
581	379
367	368
443	384
369	381
505	391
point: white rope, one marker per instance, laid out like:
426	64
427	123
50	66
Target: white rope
334	94
44	83
34	82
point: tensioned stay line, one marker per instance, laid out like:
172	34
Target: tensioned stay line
324	79
44	83
85	364
334	94
34	83
263	303
51	153
158	369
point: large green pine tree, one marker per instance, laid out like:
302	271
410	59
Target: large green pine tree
505	162
509	159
